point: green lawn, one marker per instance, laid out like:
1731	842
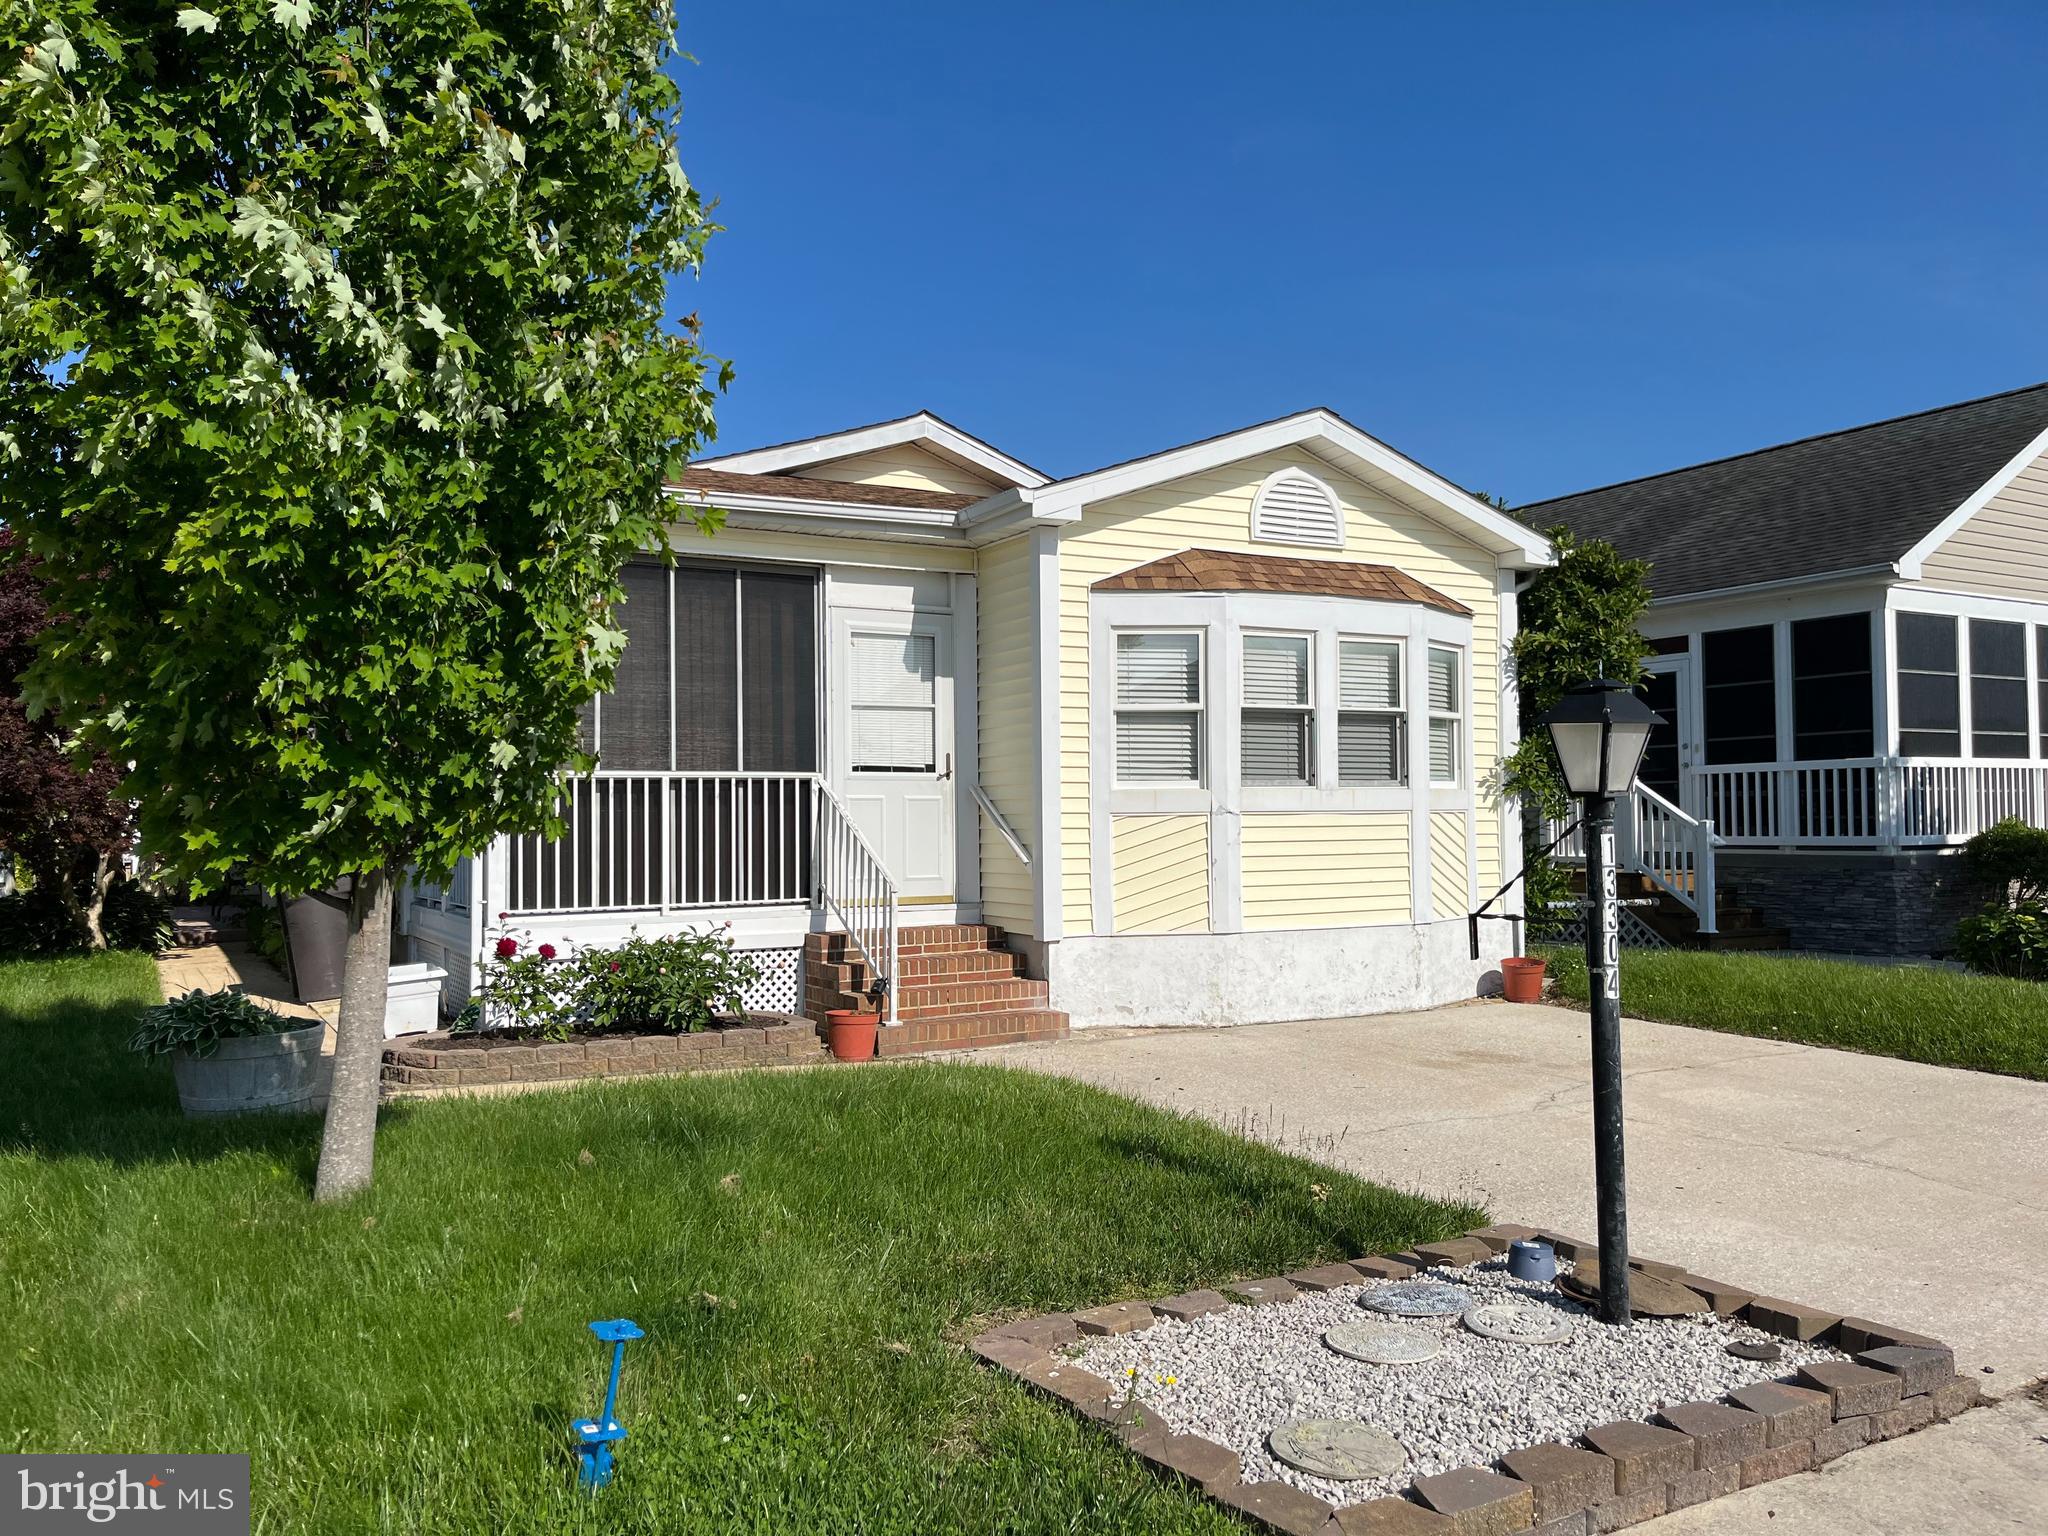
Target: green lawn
806	1251
1946	1018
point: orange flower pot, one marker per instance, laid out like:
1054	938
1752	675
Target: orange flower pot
1521	979
850	1034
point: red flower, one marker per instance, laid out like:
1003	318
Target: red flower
507	948
615	965
547	951
503	915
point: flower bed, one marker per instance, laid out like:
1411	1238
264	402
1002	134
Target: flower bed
443	1061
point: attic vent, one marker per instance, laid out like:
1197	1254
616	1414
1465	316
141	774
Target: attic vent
1296	508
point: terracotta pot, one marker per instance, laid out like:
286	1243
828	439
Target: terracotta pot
851	1034
1521	979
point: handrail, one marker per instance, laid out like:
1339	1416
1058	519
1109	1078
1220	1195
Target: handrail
1003	826
855	887
1674	850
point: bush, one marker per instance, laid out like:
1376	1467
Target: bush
136	917
199	1021
34	924
672	985
2006	941
2013	857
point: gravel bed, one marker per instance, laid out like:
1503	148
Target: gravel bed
1238	1374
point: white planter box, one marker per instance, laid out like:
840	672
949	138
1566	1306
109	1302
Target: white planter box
414	1005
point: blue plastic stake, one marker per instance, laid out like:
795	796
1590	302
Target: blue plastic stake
598	1435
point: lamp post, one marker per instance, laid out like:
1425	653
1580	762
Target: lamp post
1599	731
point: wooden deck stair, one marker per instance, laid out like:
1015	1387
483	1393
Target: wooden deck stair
959	988
1739	927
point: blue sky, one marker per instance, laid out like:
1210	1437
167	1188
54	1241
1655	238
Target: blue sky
1538	248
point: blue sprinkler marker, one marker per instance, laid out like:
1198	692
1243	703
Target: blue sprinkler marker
597	1435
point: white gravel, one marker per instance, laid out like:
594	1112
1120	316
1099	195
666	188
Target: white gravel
1239	1373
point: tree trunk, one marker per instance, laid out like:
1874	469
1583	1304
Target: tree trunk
102	878
348	1145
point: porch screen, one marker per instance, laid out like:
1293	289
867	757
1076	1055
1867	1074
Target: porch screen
2041	683
634	719
1998	688
778	671
1930	698
1739	690
1277	723
1832	706
894	686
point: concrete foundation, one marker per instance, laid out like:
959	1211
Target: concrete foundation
1855	903
1267	977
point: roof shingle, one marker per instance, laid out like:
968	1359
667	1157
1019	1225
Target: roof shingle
1860	497
1219	570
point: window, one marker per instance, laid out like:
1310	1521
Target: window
1930	702
894	695
1739	692
1371	730
1278	722
1294	507
1832	711
1446	709
1998	688
1159	708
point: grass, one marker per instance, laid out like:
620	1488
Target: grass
1916	1013
804	1249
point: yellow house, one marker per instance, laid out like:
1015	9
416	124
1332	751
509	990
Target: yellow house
1204	737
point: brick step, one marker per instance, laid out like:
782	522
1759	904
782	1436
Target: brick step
968	965
951	939
964	1032
960	998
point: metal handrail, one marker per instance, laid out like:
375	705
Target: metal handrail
855	887
1002	825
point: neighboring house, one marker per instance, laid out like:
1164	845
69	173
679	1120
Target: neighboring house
1851	638
1206	735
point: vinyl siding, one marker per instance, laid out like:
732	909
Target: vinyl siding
2002	551
1447	861
1213	511
1325	871
1160	873
1009	731
905	465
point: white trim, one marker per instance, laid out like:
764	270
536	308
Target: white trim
1509	732
1341	445
1045	607
1881	569
864	519
1421	896
1914	559
967	742
921	428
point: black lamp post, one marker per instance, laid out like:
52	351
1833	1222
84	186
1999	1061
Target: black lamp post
1599	731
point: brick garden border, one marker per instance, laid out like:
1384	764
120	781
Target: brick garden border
1617	1475
421	1066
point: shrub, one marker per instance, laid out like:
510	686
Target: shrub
2013	857
670	985
2006	941
199	1021
38	923
136	917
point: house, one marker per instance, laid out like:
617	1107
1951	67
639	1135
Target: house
1199	737
1851	638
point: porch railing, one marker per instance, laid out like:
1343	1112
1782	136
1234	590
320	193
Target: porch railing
1871	802
1673	850
668	842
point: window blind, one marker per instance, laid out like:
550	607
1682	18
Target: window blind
1369	675
1443	681
1445	707
1163	748
894	703
1158	669
1159	727
1275	737
1275	671
1369	720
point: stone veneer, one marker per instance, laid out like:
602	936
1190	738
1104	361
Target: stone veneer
422	1065
1617	1475
1856	903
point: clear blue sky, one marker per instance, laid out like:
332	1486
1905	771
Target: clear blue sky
1537	247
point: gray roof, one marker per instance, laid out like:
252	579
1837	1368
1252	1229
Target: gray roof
1859	497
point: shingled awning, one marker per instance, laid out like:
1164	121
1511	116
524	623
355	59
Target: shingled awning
1219	570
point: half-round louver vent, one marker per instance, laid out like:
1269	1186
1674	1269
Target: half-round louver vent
1293	507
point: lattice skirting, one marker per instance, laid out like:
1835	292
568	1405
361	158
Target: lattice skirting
781	987
1635	933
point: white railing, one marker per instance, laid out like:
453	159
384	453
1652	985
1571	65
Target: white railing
673	842
1868	802
1673	850
854	887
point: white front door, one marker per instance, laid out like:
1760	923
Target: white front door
893	743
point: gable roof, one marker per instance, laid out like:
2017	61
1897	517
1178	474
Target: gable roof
922	428
1322	434
1870	497
1219	570
797	488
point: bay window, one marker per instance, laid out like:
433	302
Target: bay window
1159	707
1278	720
1446	714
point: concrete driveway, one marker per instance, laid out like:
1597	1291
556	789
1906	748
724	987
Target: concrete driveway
1910	1194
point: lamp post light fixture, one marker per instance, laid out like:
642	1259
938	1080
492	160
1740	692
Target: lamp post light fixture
1599	731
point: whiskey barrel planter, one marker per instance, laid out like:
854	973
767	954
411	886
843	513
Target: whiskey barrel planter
280	1074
